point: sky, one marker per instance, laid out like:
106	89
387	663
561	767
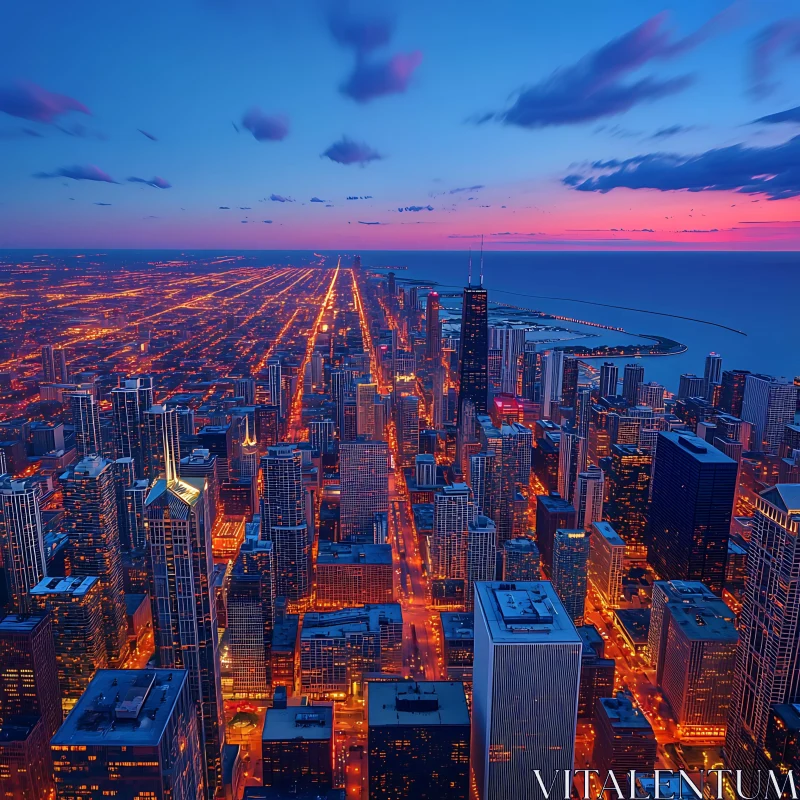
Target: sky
260	124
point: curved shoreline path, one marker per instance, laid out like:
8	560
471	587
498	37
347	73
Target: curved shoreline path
610	305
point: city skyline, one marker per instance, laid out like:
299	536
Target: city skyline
343	125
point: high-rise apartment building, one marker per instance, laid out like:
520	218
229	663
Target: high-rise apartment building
184	607
732	390
553	512
134	731
76	610
609	377
589	498
408	428
349	574
90	503
569	573
418	736
453	510
283	520
572	460
30	706
162	438
632	376
712	374
48	364
768	659
693	491
523	637
769	405
85	413
433	328
365	407
481	556
625	740
364	477
129	402
606	562
690	385
510	341
21	540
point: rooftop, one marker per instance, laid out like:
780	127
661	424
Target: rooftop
709	620
298	722
19	624
417	703
526	612
522	544
606	530
698	448
346	553
123	707
75	586
621	712
330	624
457	625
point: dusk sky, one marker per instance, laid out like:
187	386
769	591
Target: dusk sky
420	125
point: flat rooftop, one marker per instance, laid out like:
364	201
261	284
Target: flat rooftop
621	712
606	530
699	448
707	621
523	545
337	624
129	707
75	586
525	612
457	625
417	704
19	624
345	553
298	722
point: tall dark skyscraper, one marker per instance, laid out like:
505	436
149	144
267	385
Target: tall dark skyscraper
433	328
609	373
732	391
693	490
474	368
129	403
632	376
569	381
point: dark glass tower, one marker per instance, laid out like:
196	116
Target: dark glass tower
474	370
693	490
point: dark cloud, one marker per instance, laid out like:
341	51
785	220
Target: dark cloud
267	221
328	205
790	115
360	34
148	135
156	182
617	131
369	80
415	208
771	171
224	208
245	208
279	198
102	204
348	151
20	133
264	127
82	132
360	222
78	172
316	200
697	230
460	189
670	131
600	84
357	197
775	42
29	101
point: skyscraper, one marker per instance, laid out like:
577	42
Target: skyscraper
769	405
632	376
569	381
364	476
453	510
510	341
283	520
690	385
418	740
30	706
474	350
21	540
433	328
732	391
572	460
525	682
712	374
481	556
408	428
627	473
48	364
552	512
521	559
570	570
93	528
86	419
609	376
693	491
184	608
129	403
247	652
606	560
768	658
365	407
589	498
625	739
162	438
134	732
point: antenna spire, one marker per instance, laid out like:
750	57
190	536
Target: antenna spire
481	261
469	268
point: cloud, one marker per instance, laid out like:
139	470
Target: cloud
360	34
78	172
20	133
279	198
460	189
671	130
416	208
360	222
776	41
245	208
357	197
790	115
32	102
770	171
598	85
102	204
148	135
267	221
265	128
375	79
348	151
156	182
224	208
316	200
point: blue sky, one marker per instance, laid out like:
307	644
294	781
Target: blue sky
188	71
